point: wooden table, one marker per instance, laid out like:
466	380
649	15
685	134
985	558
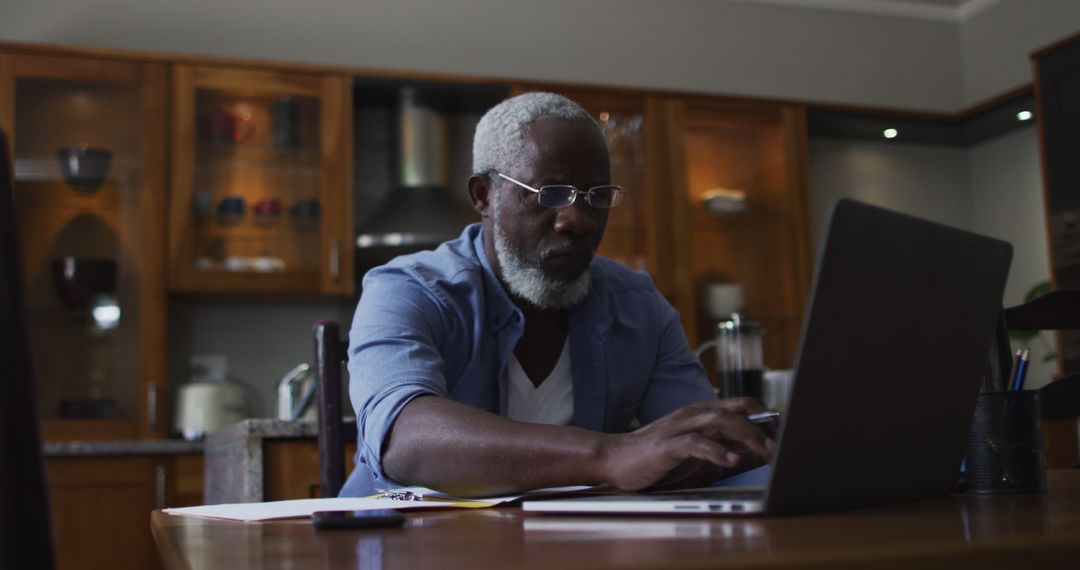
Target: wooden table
961	531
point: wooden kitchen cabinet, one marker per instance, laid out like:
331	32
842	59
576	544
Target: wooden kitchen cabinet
101	506
739	198
89	155
291	468
260	189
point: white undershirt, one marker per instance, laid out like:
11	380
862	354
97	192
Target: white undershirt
550	403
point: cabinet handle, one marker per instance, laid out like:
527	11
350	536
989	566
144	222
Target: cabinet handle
335	262
159	486
151	406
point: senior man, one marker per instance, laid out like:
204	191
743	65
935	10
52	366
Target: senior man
514	358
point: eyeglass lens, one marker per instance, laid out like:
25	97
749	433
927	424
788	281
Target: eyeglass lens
558	196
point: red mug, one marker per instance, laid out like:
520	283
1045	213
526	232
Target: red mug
219	125
268	208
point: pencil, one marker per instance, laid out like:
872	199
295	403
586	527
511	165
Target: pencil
1015	370
1021	370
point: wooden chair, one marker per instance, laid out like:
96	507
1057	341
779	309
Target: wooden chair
331	352
25	532
1060	399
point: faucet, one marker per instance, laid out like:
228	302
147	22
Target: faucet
296	390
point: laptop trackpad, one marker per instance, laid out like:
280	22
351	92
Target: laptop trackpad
757	477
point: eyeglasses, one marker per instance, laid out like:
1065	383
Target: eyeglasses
563	195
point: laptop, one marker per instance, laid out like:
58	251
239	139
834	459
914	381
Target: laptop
894	342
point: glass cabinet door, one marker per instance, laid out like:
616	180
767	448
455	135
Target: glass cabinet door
742	244
88	148
259	199
623	123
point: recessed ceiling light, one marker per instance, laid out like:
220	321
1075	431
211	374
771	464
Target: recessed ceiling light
890	133
1024	115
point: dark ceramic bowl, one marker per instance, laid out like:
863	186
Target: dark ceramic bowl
85	168
79	279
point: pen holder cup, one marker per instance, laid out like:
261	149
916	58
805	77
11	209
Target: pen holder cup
1005	447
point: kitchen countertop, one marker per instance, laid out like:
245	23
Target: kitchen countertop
122	447
235	459
265	428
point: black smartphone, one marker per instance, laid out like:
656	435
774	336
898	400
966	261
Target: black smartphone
380	518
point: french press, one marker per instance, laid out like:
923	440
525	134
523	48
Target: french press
739	363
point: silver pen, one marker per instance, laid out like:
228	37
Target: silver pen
763	417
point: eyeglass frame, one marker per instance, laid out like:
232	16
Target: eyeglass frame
619	191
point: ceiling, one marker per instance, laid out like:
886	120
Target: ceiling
948	3
935	10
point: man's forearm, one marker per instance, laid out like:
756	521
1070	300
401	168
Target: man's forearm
458	449
452	447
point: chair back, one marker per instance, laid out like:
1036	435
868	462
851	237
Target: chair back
25	533
331	352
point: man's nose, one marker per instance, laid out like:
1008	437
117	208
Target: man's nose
578	218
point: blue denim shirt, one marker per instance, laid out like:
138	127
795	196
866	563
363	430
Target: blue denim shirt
440	323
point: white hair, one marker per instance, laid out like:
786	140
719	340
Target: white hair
499	143
528	281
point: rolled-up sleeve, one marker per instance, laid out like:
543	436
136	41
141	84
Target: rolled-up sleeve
394	356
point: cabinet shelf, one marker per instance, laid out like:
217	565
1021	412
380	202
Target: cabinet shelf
256	156
253	229
58	194
47	171
231	282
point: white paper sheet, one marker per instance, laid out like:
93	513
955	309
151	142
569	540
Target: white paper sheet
304	507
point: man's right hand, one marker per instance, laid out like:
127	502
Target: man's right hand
713	432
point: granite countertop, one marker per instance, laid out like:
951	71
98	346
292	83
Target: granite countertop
249	429
266	428
122	447
235	457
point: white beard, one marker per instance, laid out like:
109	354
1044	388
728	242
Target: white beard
531	283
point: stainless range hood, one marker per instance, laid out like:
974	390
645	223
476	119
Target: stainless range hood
420	211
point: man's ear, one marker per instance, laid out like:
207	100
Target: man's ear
480	190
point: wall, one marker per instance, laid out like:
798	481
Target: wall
262	339
697	45
922	180
1007	203
995	44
